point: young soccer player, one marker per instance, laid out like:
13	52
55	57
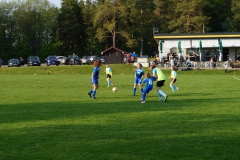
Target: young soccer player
174	79
149	81
139	73
109	75
160	81
94	79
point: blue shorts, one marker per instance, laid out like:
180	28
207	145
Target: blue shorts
94	82
147	90
137	80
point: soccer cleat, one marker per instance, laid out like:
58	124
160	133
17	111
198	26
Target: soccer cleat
112	84
143	102
177	89
160	100
165	100
93	98
90	95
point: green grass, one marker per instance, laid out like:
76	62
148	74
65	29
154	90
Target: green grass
51	116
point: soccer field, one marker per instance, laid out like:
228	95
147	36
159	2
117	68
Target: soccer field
52	117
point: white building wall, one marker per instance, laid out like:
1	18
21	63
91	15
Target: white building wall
232	52
171	46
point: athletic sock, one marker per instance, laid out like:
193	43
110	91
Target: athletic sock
172	87
134	91
162	93
160	96
143	96
94	94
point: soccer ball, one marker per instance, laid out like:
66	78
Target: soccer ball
114	89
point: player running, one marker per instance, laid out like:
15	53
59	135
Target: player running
109	75
139	73
149	81
160	81
94	79
174	79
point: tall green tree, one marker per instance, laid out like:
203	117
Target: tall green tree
93	46
219	11
71	28
106	20
160	15
187	16
235	8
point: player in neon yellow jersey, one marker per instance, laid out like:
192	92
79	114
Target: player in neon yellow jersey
160	81
109	75
174	79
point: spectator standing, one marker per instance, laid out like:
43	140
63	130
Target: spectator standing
21	61
74	58
172	63
226	66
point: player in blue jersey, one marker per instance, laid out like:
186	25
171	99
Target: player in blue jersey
149	81
94	79
139	73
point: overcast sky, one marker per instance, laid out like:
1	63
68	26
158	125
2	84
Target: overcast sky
56	2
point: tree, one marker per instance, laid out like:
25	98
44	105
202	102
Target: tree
218	10
235	8
106	20
187	16
160	15
71	35
93	46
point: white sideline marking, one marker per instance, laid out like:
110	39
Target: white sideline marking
236	78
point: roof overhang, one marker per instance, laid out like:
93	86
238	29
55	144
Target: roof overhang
219	35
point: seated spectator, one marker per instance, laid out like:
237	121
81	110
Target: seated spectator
212	63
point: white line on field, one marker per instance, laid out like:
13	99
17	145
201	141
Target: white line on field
236	78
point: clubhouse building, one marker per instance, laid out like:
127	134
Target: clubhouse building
200	46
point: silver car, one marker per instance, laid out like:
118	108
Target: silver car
85	59
62	59
103	59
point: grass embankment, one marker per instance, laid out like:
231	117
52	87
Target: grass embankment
87	69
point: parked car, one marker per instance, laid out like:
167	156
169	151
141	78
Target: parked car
1	61
62	59
52	60
77	60
103	59
33	61
14	62
85	59
92	59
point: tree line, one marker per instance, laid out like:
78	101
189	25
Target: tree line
87	27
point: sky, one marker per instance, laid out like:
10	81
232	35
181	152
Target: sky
56	2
